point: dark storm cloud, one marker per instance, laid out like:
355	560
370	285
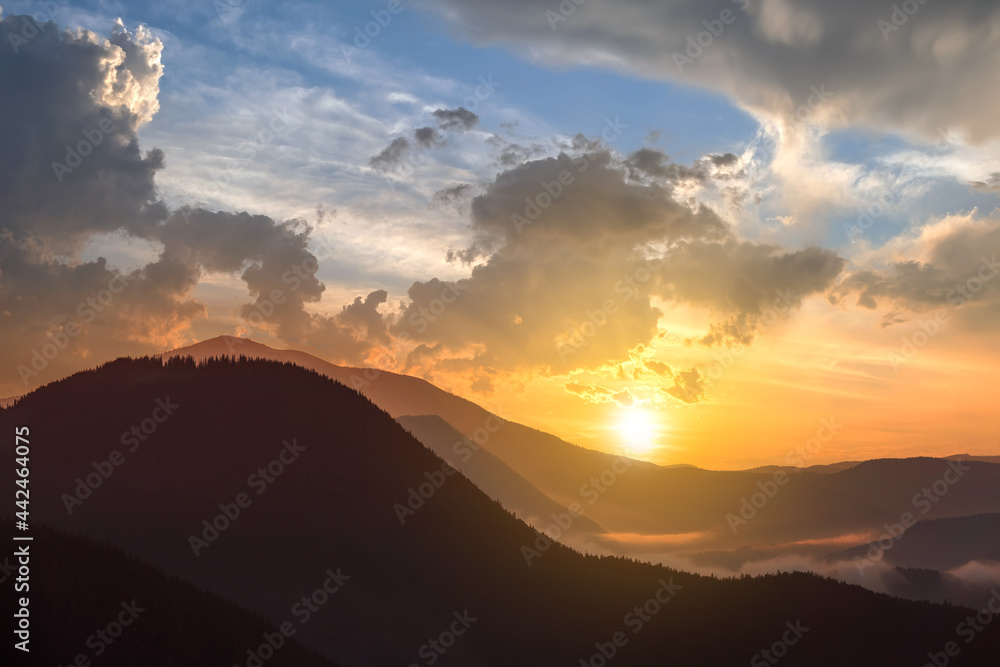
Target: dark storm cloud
71	169
772	55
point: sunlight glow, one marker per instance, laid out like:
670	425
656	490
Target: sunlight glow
639	429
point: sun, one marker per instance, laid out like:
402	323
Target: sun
639	429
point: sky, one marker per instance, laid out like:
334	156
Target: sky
722	233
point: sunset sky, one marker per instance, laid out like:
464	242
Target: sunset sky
696	232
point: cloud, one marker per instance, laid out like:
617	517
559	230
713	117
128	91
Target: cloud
363	316
132	73
454	195
991	184
568	252
951	262
773	55
654	163
512	154
72	165
427	137
460	118
657	367
688	386
742	281
593	393
74	172
392	156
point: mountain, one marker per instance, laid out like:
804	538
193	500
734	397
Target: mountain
534	454
820	468
419	406
844	465
79	587
941	544
934	586
397	394
971	457
305	481
493	476
647	499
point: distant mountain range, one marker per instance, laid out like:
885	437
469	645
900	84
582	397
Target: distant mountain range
493	476
275	488
941	544
821	502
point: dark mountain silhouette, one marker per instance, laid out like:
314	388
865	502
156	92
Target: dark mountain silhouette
973	457
399	395
941	544
78	587
493	476
332	511
933	586
836	500
820	468
844	465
